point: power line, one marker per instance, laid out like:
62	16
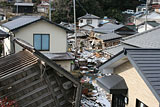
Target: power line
81	6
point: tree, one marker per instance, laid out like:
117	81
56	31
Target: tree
111	8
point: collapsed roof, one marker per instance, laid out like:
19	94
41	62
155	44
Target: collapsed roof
33	80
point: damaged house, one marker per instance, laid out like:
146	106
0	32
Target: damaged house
46	36
33	80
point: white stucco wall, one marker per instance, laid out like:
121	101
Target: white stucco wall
142	28
58	36
65	64
7	46
95	22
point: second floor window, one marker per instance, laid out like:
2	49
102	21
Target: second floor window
41	42
89	21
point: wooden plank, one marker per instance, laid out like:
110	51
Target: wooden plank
46	103
25	87
37	99
21	80
31	93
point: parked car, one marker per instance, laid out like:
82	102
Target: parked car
128	11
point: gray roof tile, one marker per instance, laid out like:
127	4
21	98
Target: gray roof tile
107	28
109	36
89	16
21	21
148	39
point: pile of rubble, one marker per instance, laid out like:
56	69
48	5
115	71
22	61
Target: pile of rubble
96	98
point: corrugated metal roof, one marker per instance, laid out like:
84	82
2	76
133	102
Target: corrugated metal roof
109	36
147	63
107	28
147	39
89	16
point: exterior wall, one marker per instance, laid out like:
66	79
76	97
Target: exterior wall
7	46
137	88
65	64
95	22
142	28
58	36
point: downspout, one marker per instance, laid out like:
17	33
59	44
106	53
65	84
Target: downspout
12	42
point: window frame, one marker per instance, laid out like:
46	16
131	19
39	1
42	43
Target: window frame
89	20
138	103
41	41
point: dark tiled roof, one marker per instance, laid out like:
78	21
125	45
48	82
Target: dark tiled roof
147	39
147	63
152	23
22	21
113	84
59	56
109	36
3	34
89	16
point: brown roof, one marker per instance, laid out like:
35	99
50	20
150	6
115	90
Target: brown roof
16	62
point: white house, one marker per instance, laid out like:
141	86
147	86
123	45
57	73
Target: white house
43	7
89	19
45	36
150	25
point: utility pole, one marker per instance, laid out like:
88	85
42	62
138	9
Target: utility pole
50	18
75	31
146	15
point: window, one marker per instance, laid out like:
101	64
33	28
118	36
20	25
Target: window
140	104
41	42
89	21
81	21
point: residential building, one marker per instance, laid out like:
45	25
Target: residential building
43	7
34	80
150	25
132	78
23	8
152	16
45	36
89	20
